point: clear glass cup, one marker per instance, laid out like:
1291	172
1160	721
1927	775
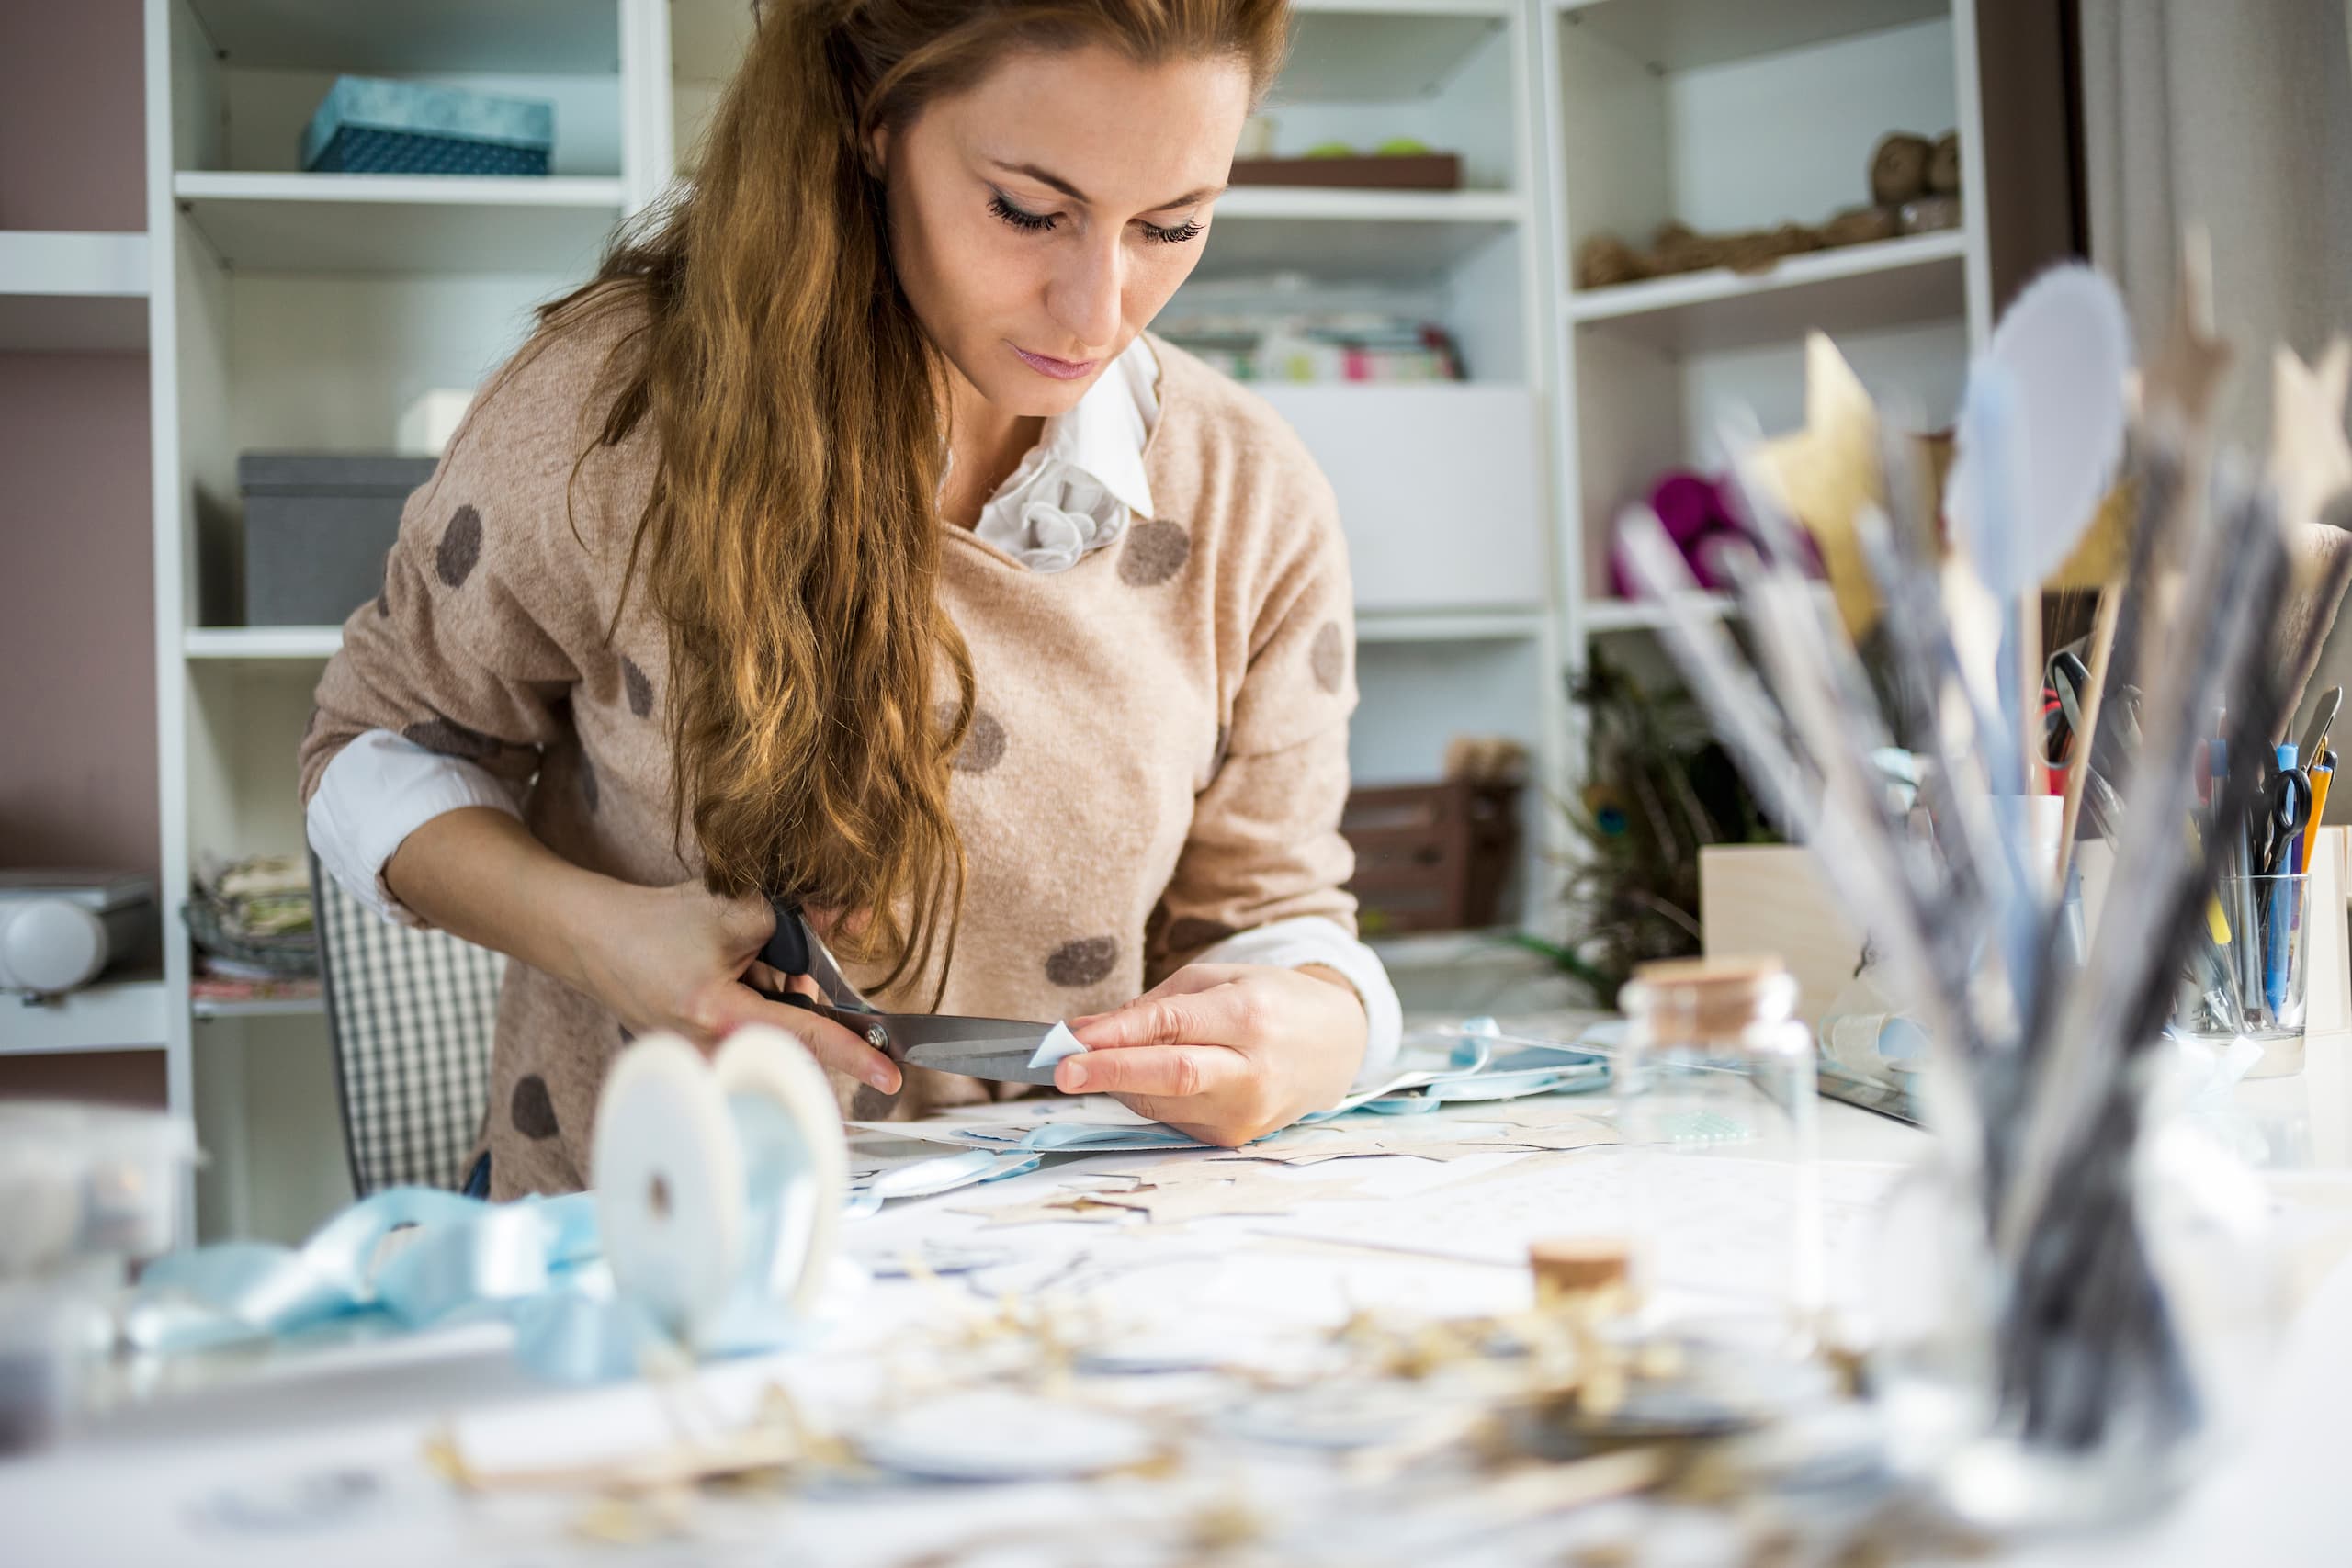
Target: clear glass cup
2253	986
1715	1097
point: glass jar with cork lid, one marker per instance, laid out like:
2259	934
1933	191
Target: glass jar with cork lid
1715	1102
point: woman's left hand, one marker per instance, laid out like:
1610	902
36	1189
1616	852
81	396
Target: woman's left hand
1224	1053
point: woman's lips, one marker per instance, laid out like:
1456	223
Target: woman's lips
1059	369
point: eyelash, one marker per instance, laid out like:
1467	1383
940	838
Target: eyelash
1040	223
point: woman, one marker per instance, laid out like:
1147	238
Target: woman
845	539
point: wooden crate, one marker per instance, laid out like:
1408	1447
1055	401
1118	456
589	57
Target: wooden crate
1431	857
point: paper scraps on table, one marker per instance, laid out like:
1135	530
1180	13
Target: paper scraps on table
1170	1203
1088	1123
1440	1141
1472	1061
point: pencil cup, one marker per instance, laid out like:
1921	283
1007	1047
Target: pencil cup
2253	984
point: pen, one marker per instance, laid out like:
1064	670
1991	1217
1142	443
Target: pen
2322	774
2285	818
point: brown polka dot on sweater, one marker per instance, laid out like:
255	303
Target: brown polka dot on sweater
1191	934
1154	553
640	686
1085	962
983	745
533	1107
461	547
452	738
1327	659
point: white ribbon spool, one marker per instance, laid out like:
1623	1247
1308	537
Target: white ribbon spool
720	1184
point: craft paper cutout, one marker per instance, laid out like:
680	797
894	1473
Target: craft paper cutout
1059	1042
2186	372
2311	462
1828	472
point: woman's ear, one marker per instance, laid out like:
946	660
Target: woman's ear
877	150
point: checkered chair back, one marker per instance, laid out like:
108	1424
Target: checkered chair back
411	1013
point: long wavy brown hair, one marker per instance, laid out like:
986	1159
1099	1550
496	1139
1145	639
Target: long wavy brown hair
791	543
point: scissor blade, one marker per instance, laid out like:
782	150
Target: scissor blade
998	1060
996	1048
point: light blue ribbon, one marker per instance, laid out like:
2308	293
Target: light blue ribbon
418	1258
443	1258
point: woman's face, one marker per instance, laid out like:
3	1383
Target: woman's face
1040	219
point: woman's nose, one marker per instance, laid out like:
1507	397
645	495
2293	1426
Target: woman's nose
1083	296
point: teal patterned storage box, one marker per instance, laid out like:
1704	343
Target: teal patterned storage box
366	127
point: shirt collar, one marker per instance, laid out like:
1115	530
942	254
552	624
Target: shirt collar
1103	435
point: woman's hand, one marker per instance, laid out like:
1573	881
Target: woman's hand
684	958
671	957
1224	1053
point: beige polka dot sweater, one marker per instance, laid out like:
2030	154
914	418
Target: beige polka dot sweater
1159	758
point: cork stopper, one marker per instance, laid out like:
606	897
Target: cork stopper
1712	999
1579	1265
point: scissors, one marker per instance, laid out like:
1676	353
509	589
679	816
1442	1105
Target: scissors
993	1048
2286	812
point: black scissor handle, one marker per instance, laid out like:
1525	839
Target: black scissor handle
788	948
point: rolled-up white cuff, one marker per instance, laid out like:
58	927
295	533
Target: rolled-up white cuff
374	794
1310	939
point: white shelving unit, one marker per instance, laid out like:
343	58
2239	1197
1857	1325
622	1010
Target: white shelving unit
295	312
286	311
1727	114
108	1016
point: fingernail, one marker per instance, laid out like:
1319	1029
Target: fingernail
1071	1075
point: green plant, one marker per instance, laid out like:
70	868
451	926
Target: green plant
1657	788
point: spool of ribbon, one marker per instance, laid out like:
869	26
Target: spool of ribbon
718	1189
720	1185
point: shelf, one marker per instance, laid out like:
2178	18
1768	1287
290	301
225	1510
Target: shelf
73	292
545	37
262	644
1856	288
284	1007
1344	236
112	1015
1447	626
401	223
1357	52
1603	616
1686	35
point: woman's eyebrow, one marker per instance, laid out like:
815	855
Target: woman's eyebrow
1045	177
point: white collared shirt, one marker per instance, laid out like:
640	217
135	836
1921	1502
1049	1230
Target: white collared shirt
1074	494
1085	482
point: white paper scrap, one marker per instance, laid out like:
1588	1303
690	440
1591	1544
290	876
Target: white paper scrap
1059	1042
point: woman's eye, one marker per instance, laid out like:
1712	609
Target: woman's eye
1188	230
1027	222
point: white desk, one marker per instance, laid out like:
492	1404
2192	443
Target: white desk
165	1483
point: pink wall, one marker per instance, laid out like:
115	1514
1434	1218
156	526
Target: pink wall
73	127
77	626
117	1077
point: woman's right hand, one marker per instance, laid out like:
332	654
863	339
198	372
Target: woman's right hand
681	958
668	957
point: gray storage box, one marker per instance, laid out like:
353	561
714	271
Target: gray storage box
317	527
